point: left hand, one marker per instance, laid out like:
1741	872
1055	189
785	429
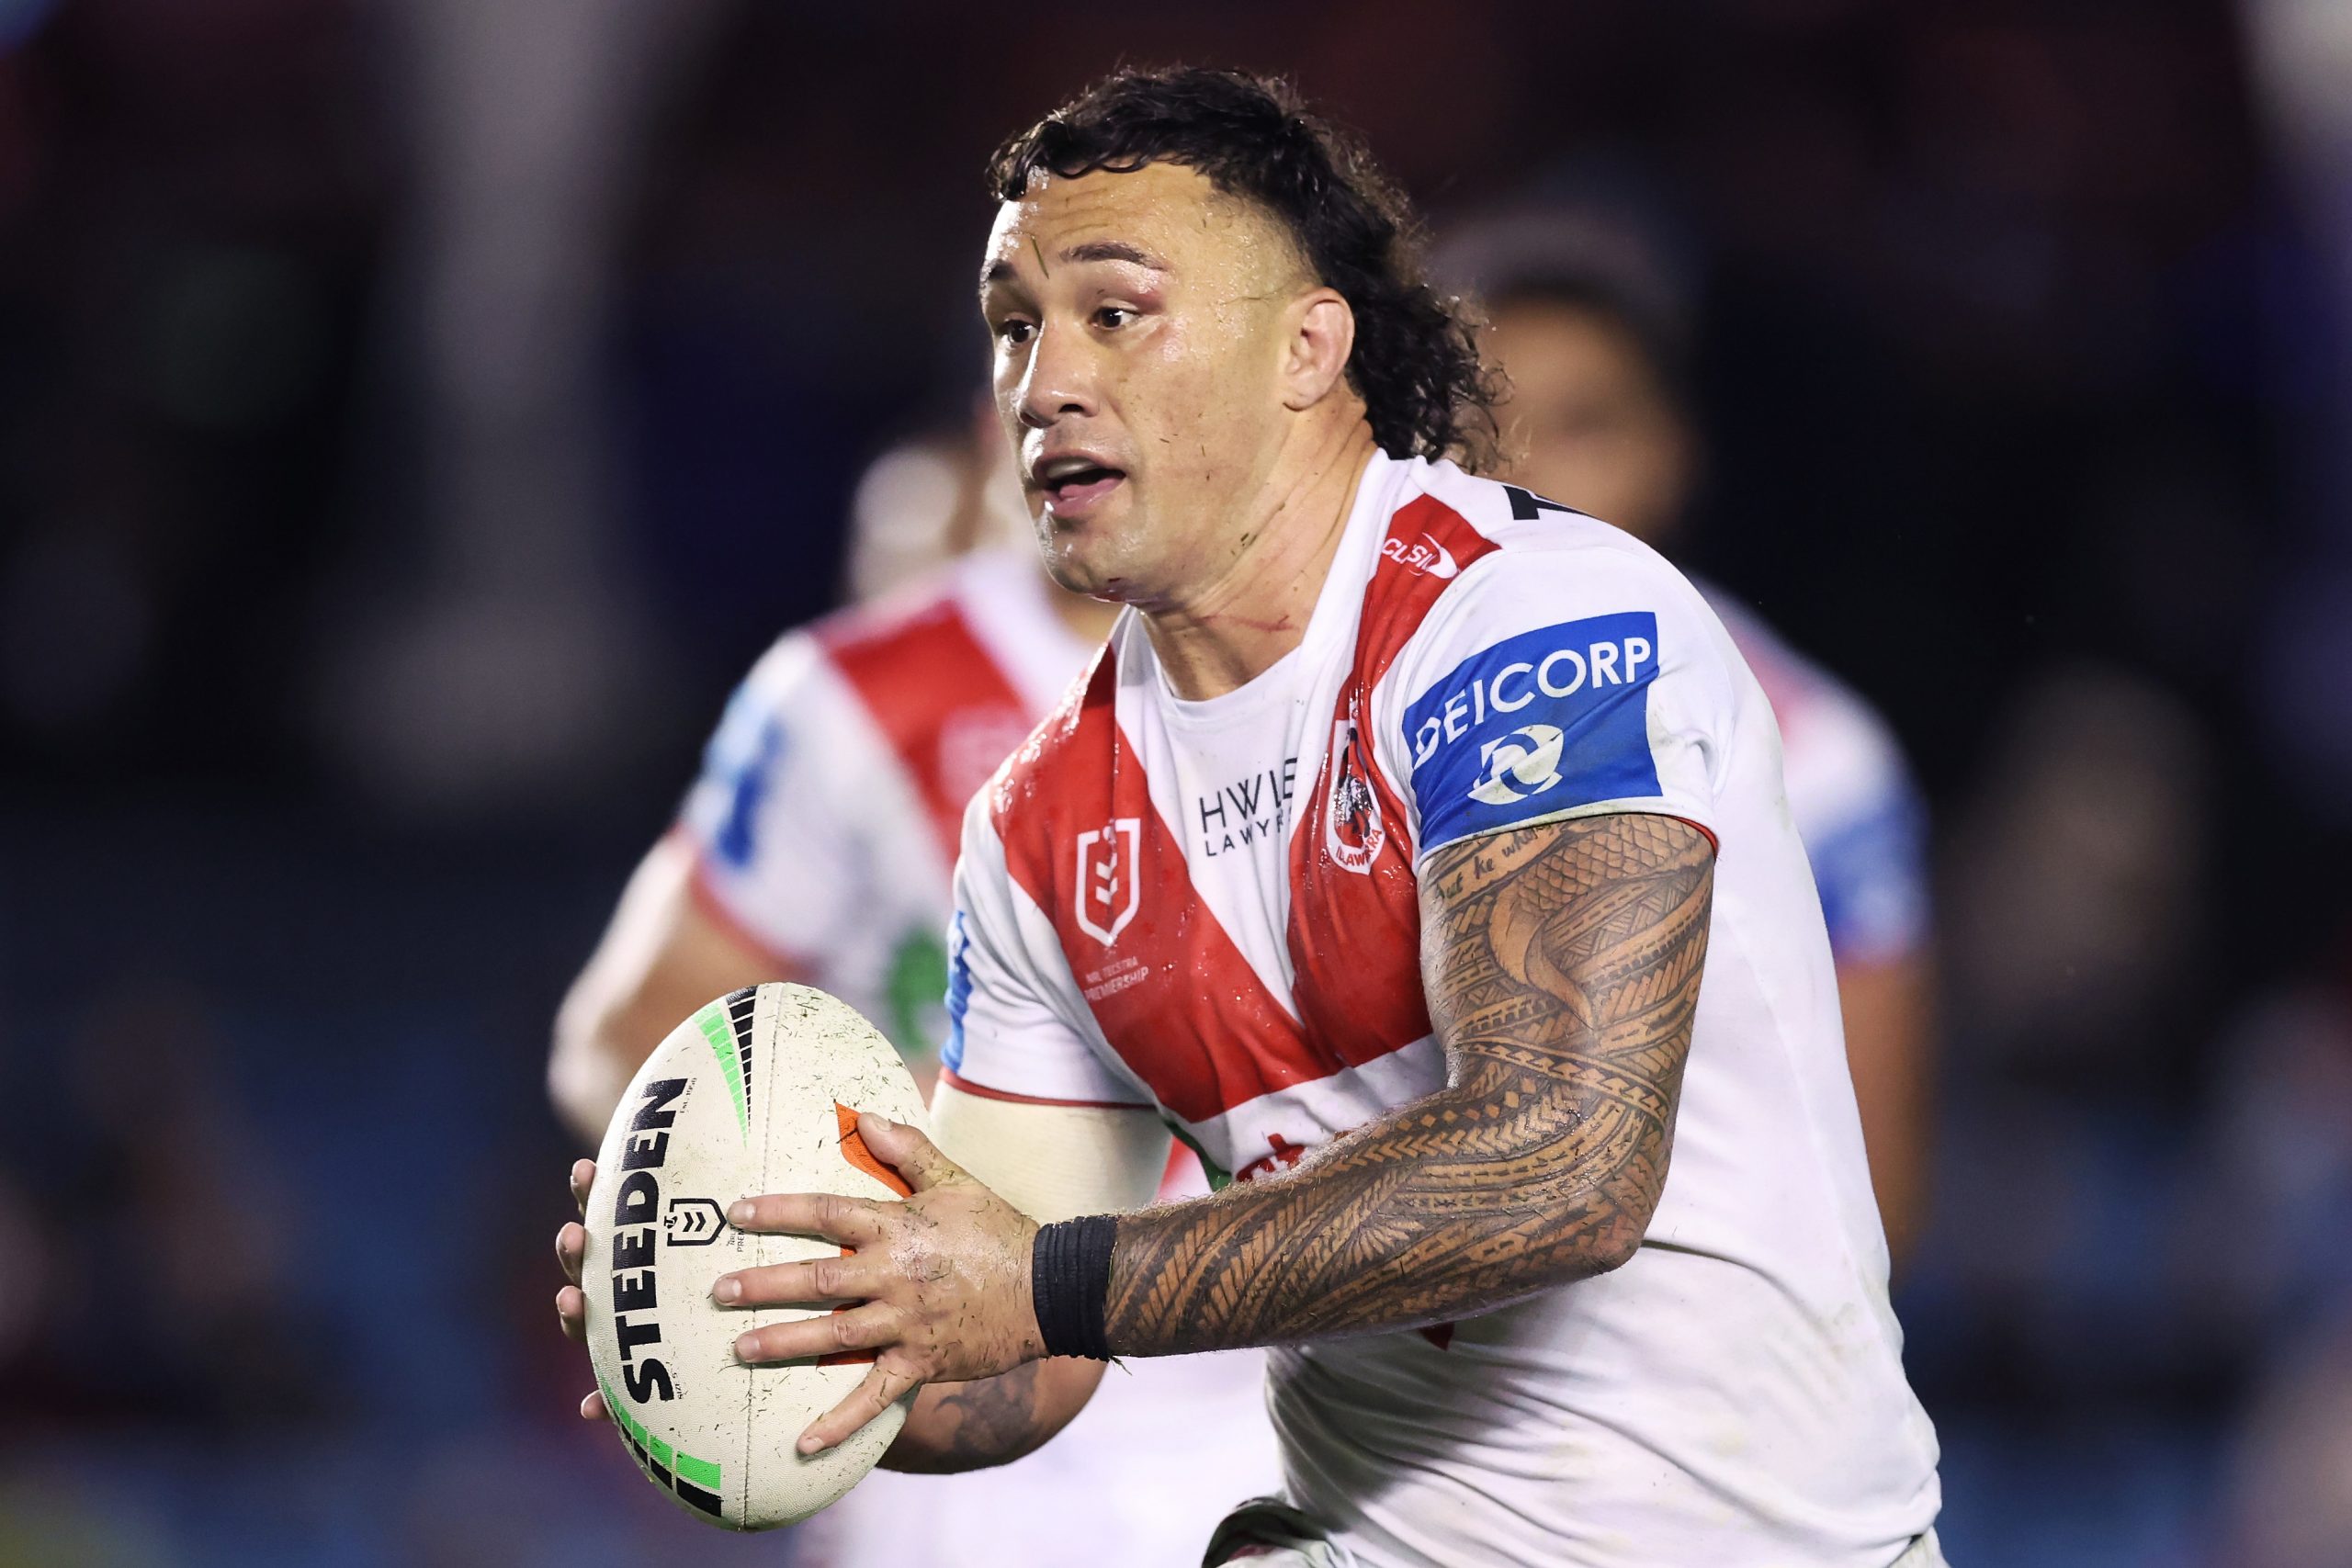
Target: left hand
942	1277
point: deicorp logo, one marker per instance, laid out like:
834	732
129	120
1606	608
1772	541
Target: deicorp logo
1524	762
1538	724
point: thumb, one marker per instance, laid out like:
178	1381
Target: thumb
905	1150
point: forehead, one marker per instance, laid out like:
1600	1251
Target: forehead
1169	212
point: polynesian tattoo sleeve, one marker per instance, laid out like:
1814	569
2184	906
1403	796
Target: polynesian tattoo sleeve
1561	963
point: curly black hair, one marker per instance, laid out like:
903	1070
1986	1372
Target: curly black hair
1415	360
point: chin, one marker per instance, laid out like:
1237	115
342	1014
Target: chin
1067	563
1100	558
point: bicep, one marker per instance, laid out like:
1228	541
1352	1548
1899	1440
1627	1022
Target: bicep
1562	963
1053	1162
1599	921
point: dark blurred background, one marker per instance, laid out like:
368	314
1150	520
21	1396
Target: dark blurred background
415	415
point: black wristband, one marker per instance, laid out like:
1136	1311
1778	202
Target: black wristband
1070	1284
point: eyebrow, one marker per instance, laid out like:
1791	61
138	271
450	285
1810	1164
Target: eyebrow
1092	251
1114	250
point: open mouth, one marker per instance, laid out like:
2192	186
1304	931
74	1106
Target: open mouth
1072	485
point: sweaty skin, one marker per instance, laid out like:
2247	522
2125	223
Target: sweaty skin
1176	384
1562	966
1180	343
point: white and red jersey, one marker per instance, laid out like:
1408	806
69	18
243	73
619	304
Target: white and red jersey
1851	792
824	827
1211	907
825	820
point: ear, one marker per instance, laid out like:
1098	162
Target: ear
1320	335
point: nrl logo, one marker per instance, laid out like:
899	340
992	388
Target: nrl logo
1109	881
1353	830
693	1222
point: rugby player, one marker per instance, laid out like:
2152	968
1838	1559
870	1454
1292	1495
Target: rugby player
817	845
1589	318
1417	850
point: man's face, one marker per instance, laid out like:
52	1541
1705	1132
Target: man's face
1138	321
1588	422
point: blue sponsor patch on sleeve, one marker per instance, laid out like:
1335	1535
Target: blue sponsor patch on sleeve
1872	874
741	764
959	994
1540	724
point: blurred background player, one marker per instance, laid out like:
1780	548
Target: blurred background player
1590	317
818	845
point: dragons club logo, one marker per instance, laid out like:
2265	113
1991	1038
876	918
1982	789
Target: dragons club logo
1353	830
1110	880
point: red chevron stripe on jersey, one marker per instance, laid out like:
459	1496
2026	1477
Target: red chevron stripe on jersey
1356	920
1166	984
937	695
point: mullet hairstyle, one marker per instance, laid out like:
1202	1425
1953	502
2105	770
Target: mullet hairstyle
1415	360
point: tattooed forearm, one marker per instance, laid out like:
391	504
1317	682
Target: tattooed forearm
968	1426
1562	968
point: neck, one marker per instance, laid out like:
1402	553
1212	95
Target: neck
1233	627
1090	620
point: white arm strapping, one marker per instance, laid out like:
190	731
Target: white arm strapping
1052	1162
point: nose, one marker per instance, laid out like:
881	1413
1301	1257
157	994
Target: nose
1058	380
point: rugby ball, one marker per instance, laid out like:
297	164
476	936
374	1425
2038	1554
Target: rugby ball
756	1093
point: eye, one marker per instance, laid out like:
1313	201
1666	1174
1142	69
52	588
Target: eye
1014	331
1113	317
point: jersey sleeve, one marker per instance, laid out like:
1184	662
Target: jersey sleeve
1551	685
1851	795
1872	874
1864	824
764	816
1010	1033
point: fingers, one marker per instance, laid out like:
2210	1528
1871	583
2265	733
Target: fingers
882	1387
816	1281
867	1328
852	1222
905	1150
570	1302
571	1311
570	1248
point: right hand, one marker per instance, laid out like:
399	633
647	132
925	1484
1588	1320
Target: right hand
572	1303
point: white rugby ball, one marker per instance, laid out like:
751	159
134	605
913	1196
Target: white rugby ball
756	1093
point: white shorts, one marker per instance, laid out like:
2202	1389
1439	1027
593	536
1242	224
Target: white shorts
1162	1451
1925	1553
1281	1548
